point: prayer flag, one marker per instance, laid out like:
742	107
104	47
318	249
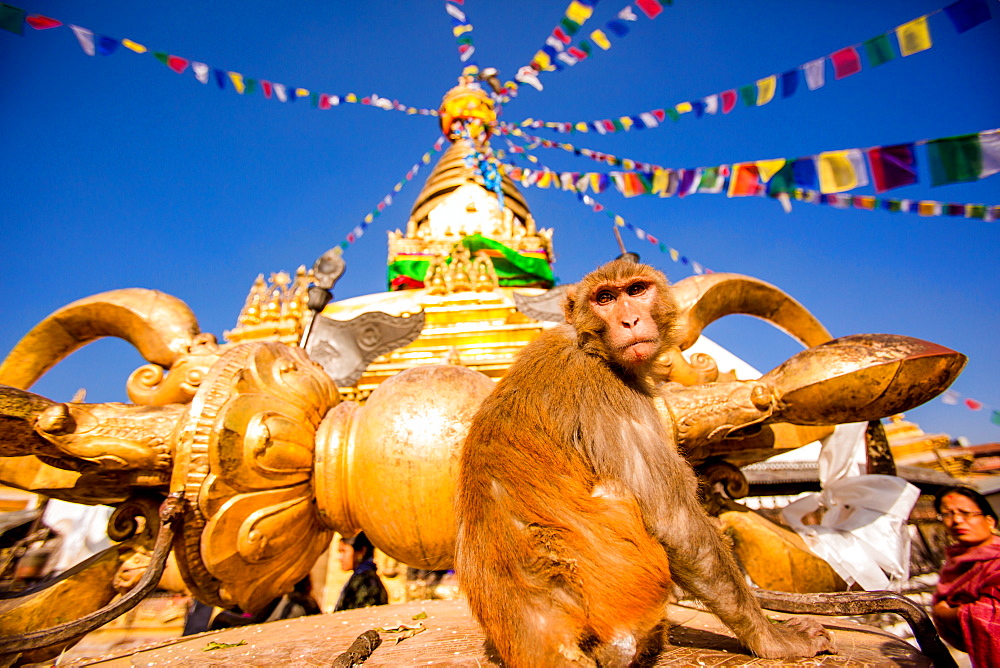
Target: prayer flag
626	14
454	11
914	36
281	92
768	168
711	104
713	180
237	80
617	27
85	38
265	85
841	170
177	64
688	182
892	166
651	8
781	181
815	71
649	120
728	100
765	89
200	71
955	159
578	11
12	19
967	14
220	78
133	46
973	405
845	62
106	45
804	173
745	180
879	50
789	82
561	37
989	144
927	208
749	95
600	39
571	27
39	22
683	107
995	418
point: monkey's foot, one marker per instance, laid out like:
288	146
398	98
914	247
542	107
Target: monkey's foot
795	637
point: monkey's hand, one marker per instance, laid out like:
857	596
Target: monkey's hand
794	637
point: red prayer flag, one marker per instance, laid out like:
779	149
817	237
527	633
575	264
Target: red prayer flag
177	64
39	22
973	404
576	53
659	114
651	8
561	36
892	166
728	100
266	85
845	62
324	101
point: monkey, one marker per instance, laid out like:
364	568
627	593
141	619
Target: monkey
575	510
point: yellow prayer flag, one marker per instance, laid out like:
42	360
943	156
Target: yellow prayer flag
237	80
765	89
302	92
600	39
866	202
544	179
350	97
543	60
914	36
768	168
836	172
683	107
134	46
628	164
397	187
582	127
674	255
661	179
626	122
426	158
578	12
459	30
595	181
619	221
369	218
926	208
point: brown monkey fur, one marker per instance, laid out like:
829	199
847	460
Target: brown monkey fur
575	508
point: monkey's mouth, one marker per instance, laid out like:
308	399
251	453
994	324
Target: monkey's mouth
640	348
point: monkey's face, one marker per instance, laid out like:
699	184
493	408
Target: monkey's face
627	307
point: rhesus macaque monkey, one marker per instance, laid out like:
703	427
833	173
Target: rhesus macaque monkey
575	508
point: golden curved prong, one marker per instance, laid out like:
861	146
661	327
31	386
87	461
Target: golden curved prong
160	326
705	298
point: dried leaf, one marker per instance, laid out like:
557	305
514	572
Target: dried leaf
223	645
409	633
420	615
400	628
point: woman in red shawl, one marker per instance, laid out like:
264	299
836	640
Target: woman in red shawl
967	600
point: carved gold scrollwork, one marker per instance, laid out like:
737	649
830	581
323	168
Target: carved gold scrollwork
245	457
153	385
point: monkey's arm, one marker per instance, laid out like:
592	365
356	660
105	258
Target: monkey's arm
703	564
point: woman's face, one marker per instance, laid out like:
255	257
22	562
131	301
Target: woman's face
347	561
964	521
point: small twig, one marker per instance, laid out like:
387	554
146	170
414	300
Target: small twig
359	651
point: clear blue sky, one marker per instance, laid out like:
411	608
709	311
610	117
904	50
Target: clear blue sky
117	172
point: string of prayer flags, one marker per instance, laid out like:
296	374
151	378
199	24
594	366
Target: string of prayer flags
93	44
462	30
951	397
923	208
558	52
964	158
910	38
387	201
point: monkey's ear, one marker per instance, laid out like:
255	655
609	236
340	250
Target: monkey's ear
569	302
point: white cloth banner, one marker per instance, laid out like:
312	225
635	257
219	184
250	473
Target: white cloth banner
863	533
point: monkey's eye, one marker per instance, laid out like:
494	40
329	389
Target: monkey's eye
636	289
604	297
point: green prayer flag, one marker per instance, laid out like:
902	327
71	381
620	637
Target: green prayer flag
570	26
618	125
672	113
955	159
12	19
975	211
995	418
314	100
749	95
162	57
251	85
879	50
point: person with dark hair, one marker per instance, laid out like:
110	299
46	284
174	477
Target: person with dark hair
364	588
967	599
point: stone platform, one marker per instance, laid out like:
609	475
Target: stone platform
452	638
